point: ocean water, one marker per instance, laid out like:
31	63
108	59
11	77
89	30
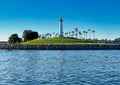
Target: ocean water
82	67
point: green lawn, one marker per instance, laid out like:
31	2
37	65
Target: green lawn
57	40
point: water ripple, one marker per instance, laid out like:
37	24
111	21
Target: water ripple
33	67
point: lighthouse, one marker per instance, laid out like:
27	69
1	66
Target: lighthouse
61	27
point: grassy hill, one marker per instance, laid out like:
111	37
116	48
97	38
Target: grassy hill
57	40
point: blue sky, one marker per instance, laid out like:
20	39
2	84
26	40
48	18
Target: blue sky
43	15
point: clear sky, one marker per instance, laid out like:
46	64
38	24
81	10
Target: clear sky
43	15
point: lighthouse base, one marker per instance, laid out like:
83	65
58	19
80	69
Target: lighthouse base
61	36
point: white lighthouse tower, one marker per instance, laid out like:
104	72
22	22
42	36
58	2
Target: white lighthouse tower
61	27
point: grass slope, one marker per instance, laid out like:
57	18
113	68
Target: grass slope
57	40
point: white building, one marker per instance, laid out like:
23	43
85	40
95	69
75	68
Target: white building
61	27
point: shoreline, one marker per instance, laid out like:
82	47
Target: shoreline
61	47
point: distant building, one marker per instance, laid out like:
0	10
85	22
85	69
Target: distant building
116	41
3	42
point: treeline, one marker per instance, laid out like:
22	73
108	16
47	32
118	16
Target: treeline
84	36
27	35
31	35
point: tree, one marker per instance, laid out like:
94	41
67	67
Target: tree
25	33
32	35
86	35
76	32
29	35
50	35
66	34
80	35
14	39
57	34
43	36
84	32
47	35
72	33
69	34
89	30
40	36
93	31
53	34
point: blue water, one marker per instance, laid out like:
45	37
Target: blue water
31	67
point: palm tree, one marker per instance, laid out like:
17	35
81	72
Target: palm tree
76	32
50	35
66	34
86	35
43	36
89	30
53	34
84	32
57	34
80	35
46	35
72	33
93	31
40	36
69	34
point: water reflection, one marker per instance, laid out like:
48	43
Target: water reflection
61	63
